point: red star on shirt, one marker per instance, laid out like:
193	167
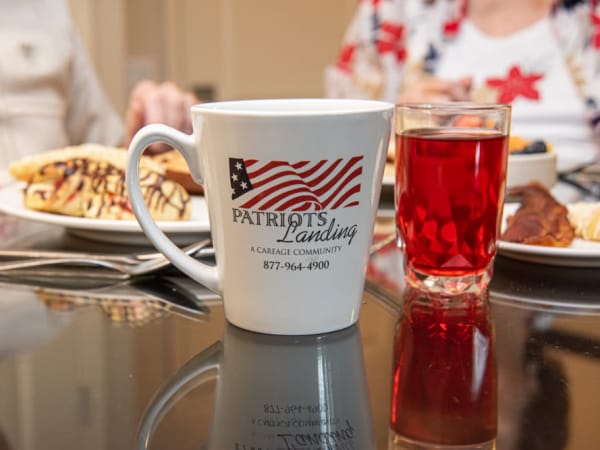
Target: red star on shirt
391	40
345	57
452	26
596	32
516	84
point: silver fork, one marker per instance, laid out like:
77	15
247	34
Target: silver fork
133	258
126	269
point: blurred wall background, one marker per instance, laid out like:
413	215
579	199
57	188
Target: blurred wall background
223	49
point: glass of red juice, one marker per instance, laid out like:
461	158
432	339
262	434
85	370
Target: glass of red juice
444	391
450	184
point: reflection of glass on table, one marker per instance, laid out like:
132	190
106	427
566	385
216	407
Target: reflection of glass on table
444	383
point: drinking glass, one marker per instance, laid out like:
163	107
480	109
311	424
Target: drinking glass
449	193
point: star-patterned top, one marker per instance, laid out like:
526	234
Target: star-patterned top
388	38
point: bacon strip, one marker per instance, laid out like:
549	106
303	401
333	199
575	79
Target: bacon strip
540	220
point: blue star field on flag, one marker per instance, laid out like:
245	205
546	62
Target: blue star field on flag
240	182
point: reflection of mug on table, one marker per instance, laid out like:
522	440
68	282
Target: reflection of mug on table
279	392
292	189
450	182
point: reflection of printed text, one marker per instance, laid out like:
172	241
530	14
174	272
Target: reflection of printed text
326	439
295	422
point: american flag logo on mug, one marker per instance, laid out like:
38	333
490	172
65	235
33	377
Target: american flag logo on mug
300	186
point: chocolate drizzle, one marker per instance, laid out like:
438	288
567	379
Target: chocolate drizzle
100	189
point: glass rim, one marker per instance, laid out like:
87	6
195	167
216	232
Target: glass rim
458	107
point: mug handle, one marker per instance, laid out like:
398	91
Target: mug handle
184	143
191	375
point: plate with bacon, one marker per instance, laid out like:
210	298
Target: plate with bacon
541	230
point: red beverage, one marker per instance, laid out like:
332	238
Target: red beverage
450	189
444	385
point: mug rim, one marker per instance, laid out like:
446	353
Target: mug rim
279	107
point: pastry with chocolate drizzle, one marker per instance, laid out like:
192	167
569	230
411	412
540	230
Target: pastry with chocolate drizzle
89	181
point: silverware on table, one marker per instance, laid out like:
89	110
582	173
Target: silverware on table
383	242
50	263
118	266
132	258
586	178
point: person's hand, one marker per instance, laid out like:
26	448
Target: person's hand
434	90
164	103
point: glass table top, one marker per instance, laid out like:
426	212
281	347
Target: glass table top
97	364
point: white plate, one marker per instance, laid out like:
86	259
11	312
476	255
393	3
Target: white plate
126	232
581	253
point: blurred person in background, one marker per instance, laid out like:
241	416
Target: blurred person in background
50	96
541	56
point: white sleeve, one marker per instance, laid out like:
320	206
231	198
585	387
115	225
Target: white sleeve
90	117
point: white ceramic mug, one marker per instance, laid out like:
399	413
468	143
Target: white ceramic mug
292	189
275	392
